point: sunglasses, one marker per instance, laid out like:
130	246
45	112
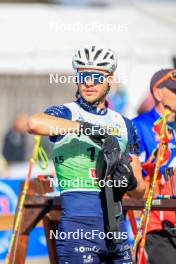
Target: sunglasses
170	75
96	77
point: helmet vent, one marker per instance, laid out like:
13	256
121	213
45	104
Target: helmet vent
102	63
87	54
79	53
80	62
97	54
106	55
93	48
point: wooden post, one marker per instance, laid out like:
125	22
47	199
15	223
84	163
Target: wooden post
31	215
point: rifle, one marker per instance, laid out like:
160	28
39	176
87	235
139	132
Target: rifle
164	135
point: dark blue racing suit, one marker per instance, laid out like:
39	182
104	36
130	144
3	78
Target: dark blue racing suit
82	213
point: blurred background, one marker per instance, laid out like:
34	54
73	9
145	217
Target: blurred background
38	39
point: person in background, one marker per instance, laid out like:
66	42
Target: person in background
161	237
118	100
14	148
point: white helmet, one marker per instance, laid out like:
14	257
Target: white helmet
95	58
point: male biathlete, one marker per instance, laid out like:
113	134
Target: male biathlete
75	154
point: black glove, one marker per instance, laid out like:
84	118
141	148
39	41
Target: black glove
124	171
111	161
108	157
95	132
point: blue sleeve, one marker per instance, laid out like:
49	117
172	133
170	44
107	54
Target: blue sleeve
133	141
137	125
140	128
58	111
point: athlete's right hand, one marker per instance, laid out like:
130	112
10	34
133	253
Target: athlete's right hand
95	132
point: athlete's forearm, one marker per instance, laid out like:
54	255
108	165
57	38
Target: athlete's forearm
137	193
47	125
